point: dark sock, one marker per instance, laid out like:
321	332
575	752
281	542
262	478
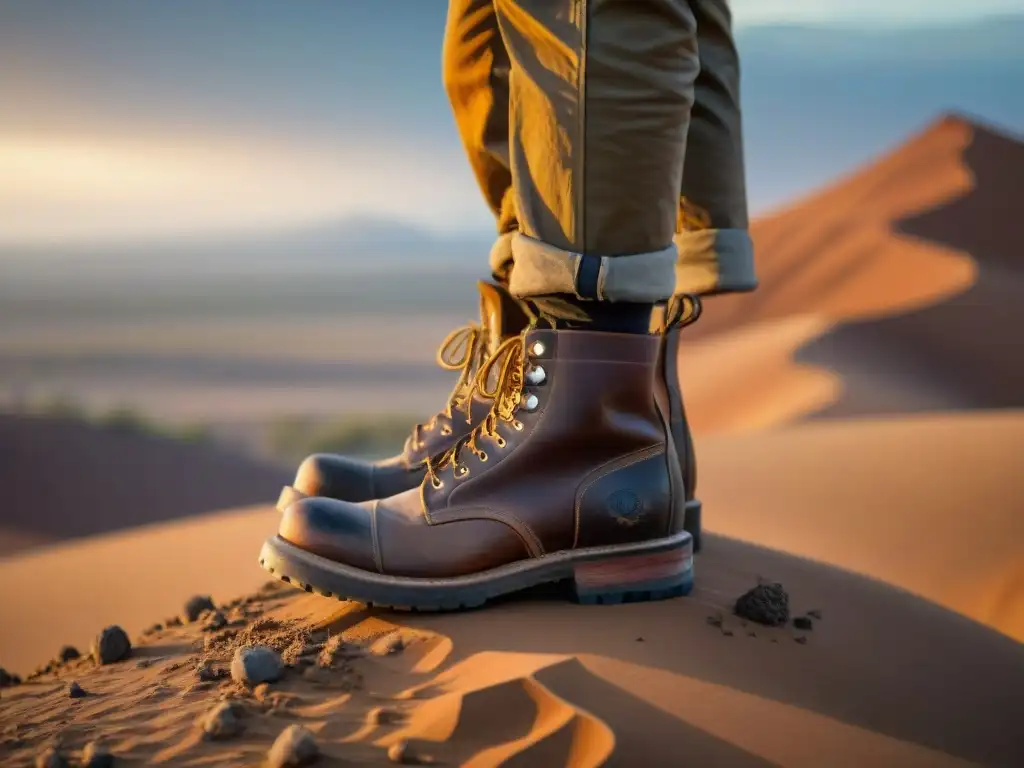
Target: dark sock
606	316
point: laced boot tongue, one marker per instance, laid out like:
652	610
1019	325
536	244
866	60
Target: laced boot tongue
501	314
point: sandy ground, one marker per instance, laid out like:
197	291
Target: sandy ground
884	678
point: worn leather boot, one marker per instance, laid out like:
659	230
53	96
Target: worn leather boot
680	311
573	476
464	350
349	479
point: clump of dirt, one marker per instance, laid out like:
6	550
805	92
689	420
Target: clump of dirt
766	604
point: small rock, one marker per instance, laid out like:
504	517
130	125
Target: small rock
714	621
154	629
195	607
259	664
804	623
214	621
206	672
75	691
143	663
51	758
95	755
766	604
7	679
221	722
174	621
802	640
296	746
382	716
111	645
751	633
815	613
639	640
68	653
727	632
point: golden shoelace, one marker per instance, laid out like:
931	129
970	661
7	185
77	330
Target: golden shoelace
463	350
680	311
505	396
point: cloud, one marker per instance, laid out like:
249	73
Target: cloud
59	189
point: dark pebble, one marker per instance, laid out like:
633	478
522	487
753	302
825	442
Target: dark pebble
803	622
75	691
814	613
111	645
196	606
8	680
802	640
68	653
766	604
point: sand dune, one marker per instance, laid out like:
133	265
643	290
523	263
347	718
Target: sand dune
885	677
912	266
66	479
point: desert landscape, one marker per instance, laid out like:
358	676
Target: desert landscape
860	423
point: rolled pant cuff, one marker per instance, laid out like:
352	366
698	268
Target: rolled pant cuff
542	269
501	258
715	261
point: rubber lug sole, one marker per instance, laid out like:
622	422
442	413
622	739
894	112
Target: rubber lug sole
653	570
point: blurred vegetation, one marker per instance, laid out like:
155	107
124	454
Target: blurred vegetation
120	418
292	439
288	439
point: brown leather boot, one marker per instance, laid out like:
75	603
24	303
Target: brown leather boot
573	476
464	350
680	312
349	479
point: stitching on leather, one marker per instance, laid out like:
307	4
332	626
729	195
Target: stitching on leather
377	559
603	471
520	528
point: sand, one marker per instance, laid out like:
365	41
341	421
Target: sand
884	678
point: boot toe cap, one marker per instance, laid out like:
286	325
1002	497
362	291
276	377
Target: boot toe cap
337	530
336	477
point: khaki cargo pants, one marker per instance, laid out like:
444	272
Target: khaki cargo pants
606	137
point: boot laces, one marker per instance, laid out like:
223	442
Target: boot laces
463	350
509	362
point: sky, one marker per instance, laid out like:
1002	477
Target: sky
134	119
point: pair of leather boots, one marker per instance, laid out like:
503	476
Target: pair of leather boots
562	457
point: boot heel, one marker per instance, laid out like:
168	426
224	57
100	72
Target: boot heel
635	577
691	522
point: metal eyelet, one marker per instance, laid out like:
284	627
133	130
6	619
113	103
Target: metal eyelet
538	349
501	441
462	471
446	430
517	426
483	456
536	375
438	484
531	402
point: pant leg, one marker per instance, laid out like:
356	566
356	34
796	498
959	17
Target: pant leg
716	254
600	96
475	72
